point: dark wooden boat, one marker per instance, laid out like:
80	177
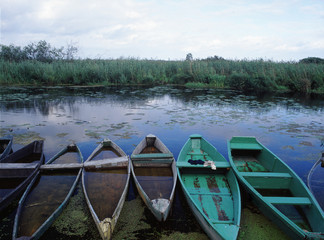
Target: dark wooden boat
154	171
48	193
276	189
105	180
5	146
210	187
17	170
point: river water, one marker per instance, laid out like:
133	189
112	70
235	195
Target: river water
291	127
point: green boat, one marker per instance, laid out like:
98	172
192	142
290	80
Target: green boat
276	189
48	193
210	187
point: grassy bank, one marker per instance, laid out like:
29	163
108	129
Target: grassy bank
247	75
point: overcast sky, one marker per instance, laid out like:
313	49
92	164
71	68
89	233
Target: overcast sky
169	29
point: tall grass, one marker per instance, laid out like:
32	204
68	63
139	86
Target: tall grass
256	75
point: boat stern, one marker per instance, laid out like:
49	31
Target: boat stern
161	208
106	228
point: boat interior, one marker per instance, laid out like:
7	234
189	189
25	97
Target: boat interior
47	193
279	187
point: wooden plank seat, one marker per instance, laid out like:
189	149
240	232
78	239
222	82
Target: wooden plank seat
8	166
217	164
61	166
289	200
222	221
151	156
246	146
266	174
197	154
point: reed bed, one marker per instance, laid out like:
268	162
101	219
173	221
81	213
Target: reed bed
246	75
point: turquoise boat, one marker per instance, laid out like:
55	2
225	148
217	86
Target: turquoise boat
48	193
210	187
276	189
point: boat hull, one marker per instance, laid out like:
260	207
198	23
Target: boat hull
105	167
43	193
13	166
154	172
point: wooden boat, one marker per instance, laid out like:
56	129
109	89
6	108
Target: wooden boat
105	180
210	187
5	146
155	175
48	193
276	189
17	170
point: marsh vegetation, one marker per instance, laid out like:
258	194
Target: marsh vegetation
41	64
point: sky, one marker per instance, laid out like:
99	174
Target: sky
275	30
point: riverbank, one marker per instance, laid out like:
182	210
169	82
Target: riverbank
247	75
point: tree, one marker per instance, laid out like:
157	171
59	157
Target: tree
71	50
41	51
189	57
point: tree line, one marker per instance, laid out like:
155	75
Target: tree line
41	51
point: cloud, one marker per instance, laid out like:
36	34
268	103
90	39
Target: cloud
168	29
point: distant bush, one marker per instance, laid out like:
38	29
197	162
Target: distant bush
315	60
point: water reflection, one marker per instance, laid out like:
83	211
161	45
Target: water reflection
290	126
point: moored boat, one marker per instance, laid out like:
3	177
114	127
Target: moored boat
155	175
17	170
48	193
5	146
105	180
210	187
276	189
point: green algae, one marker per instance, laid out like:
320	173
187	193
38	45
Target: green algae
306	143
288	147
61	135
27	137
92	134
131	220
256	226
75	222
184	236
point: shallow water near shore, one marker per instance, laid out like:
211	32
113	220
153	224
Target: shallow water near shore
291	127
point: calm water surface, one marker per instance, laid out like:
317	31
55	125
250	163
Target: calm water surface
291	127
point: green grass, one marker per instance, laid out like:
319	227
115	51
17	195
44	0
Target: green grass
246	75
